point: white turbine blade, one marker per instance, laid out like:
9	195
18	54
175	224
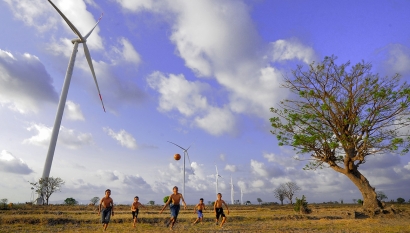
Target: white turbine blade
189	162
89	33
90	63
67	21
177	145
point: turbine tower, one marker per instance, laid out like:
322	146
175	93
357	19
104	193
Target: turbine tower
185	154
217	176
232	192
64	92
241	197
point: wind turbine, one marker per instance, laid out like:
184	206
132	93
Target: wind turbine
241	197
66	85
232	201
185	154
217	176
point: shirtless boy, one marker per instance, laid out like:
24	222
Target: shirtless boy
135	209
107	208
198	209
175	198
219	211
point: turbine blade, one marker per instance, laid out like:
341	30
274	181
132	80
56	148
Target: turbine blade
89	33
177	145
90	63
67	21
189	162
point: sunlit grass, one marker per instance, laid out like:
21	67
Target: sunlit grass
273	218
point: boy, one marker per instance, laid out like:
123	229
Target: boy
134	209
174	207
107	207
199	208
219	211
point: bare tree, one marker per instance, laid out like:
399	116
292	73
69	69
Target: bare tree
279	193
339	117
290	189
380	195
94	200
47	186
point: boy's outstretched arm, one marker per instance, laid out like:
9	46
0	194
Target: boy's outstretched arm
169	200
183	201
226	206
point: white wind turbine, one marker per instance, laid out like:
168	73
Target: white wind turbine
185	154
241	197
217	177
232	192
66	85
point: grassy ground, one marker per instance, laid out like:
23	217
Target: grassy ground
274	218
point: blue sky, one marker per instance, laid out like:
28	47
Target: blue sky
198	73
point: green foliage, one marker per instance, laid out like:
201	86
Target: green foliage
359	201
259	200
301	204
341	107
70	201
151	202
166	199
4	202
400	200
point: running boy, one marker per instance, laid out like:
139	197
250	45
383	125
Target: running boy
175	197
107	208
219	211
135	209
199	208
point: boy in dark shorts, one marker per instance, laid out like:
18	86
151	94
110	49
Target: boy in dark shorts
199	208
219	212
174	207
107	209
135	209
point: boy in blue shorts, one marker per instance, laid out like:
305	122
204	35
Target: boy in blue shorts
198	209
174	207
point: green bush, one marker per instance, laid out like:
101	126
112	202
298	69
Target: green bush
400	200
359	201
301	204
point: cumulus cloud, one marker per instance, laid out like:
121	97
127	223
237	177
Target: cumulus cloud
73	111
282	50
397	58
123	137
259	168
231	168
107	175
407	166
24	83
219	40
67	137
9	163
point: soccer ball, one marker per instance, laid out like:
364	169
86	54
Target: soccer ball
177	156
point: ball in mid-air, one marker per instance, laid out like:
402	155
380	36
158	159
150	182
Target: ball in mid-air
177	156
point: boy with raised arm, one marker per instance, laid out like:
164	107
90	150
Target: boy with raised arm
107	208
198	209
173	202
135	209
219	212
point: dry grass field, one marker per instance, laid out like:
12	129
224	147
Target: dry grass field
254	218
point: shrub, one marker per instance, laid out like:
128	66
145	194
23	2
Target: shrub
301	205
359	201
400	200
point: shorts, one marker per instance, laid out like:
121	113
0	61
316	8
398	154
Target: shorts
105	215
199	212
135	213
219	213
174	210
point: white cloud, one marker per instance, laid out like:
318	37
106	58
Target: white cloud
407	166
231	168
66	137
9	163
124	52
24	83
291	49
222	157
73	111
107	175
397	59
123	137
258	168
217	122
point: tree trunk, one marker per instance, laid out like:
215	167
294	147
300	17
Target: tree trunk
370	201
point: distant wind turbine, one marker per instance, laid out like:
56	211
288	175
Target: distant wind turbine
66	85
217	177
241	197
232	192
185	154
